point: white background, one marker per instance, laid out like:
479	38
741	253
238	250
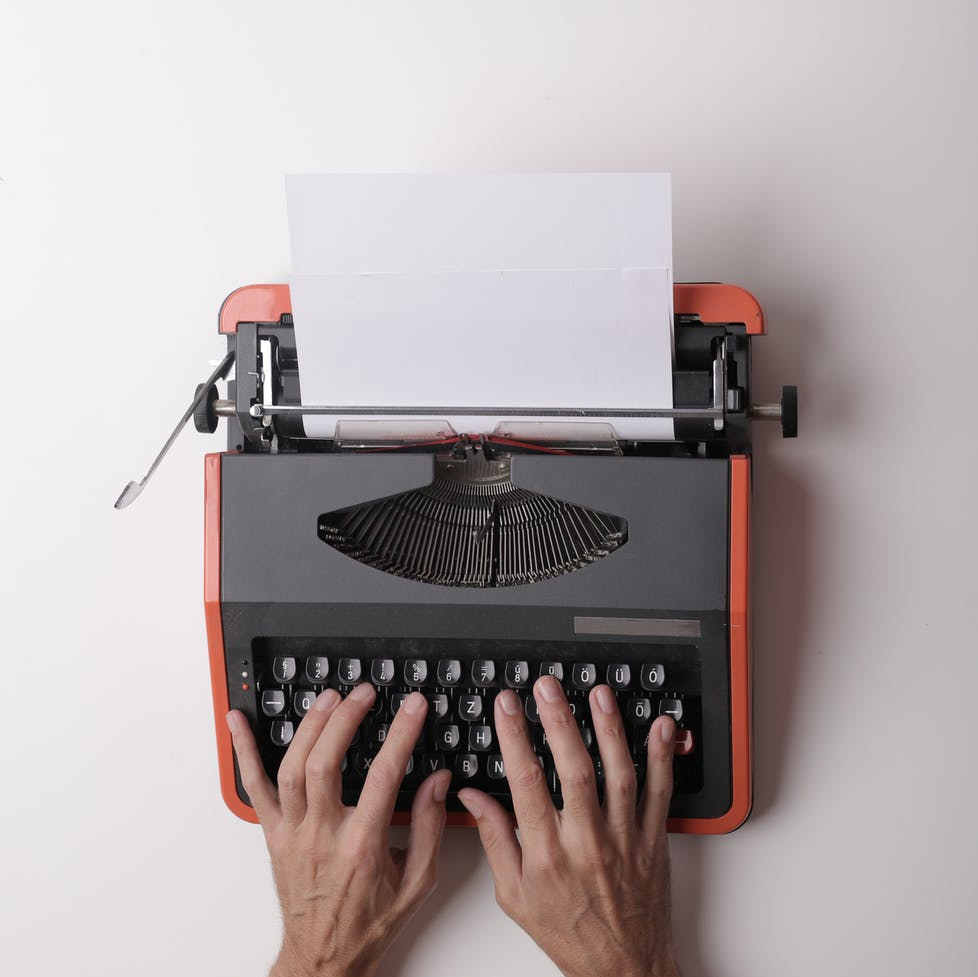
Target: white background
824	157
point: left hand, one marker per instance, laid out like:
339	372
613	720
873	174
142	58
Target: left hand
345	893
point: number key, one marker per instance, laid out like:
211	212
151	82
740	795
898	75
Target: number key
517	674
449	671
317	670
415	672
284	670
483	673
349	670
382	671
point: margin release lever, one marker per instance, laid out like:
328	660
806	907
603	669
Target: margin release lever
132	490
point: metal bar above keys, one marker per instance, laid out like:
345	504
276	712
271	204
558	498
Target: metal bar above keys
706	413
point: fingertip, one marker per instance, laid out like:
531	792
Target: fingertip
508	703
415	704
472	801
434	790
236	722
442	781
327	701
605	699
662	737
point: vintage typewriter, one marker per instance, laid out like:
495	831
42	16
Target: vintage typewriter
459	565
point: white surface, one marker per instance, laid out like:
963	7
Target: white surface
549	339
411	289
823	157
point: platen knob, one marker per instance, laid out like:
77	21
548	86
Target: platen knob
789	412
205	414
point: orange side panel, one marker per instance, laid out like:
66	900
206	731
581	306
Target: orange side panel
215	635
254	303
712	302
740	714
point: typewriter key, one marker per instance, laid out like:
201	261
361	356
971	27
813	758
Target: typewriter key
273	702
584	675
652	677
282	732
449	671
284	670
317	670
517	674
302	701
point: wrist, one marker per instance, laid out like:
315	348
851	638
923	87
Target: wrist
289	964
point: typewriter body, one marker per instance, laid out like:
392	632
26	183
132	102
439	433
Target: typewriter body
464	564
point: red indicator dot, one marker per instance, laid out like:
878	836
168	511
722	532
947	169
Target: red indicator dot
244	686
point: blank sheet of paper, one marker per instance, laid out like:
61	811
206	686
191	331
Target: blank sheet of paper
520	291
517	339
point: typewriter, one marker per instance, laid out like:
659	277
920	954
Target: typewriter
460	565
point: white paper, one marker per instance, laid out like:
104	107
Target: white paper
513	339
547	291
422	222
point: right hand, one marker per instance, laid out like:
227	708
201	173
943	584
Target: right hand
589	884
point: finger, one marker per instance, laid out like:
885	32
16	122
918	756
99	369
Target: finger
498	837
620	782
572	760
292	772
535	811
255	781
379	794
424	838
324	765
658	779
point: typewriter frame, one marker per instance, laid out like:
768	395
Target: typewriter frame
706	304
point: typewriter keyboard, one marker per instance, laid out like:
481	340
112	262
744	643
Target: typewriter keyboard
460	680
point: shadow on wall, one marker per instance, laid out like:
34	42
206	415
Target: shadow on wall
783	561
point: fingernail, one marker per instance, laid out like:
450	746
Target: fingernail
441	790
364	692
470	806
549	688
327	700
510	702
606	699
414	703
668	731
233	719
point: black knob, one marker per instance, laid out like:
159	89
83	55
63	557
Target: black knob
205	413
789	412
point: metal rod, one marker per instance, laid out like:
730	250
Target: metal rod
767	412
706	413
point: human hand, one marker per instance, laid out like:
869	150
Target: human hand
344	892
589	884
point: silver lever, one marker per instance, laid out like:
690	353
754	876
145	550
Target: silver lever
132	490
